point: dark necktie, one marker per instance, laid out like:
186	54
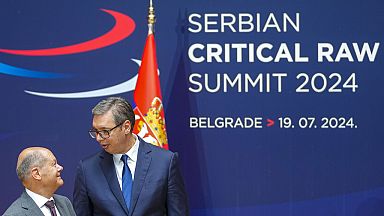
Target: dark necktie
51	205
127	181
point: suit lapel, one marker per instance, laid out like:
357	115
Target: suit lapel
142	165
30	205
108	167
61	207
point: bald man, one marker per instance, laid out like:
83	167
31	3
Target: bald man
39	172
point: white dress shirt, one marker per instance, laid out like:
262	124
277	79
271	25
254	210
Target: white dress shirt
132	159
40	202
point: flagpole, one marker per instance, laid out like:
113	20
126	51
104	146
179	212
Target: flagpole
151	18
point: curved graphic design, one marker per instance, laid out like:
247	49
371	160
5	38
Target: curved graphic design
126	86
21	72
124	26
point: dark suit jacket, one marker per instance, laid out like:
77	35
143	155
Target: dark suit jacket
25	205
158	188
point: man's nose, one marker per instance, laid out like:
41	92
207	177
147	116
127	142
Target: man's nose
59	167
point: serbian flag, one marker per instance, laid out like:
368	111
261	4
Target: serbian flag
149	110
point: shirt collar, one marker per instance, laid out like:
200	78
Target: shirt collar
132	153
39	200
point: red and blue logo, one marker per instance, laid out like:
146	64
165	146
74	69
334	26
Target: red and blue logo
124	26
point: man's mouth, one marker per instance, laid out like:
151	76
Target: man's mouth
104	146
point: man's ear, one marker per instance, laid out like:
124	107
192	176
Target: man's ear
36	173
127	127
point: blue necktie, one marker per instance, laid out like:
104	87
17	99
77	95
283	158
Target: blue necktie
127	181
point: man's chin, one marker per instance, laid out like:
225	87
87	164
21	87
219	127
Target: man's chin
109	150
60	182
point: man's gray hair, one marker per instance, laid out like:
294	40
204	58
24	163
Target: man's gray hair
35	158
121	110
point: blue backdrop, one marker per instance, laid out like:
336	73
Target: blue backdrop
271	171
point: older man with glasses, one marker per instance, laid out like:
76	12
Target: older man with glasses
129	176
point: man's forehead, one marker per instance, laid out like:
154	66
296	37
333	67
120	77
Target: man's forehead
103	120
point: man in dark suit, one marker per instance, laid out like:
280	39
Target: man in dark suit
129	176
39	172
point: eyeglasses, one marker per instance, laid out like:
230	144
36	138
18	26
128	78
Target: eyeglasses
103	133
